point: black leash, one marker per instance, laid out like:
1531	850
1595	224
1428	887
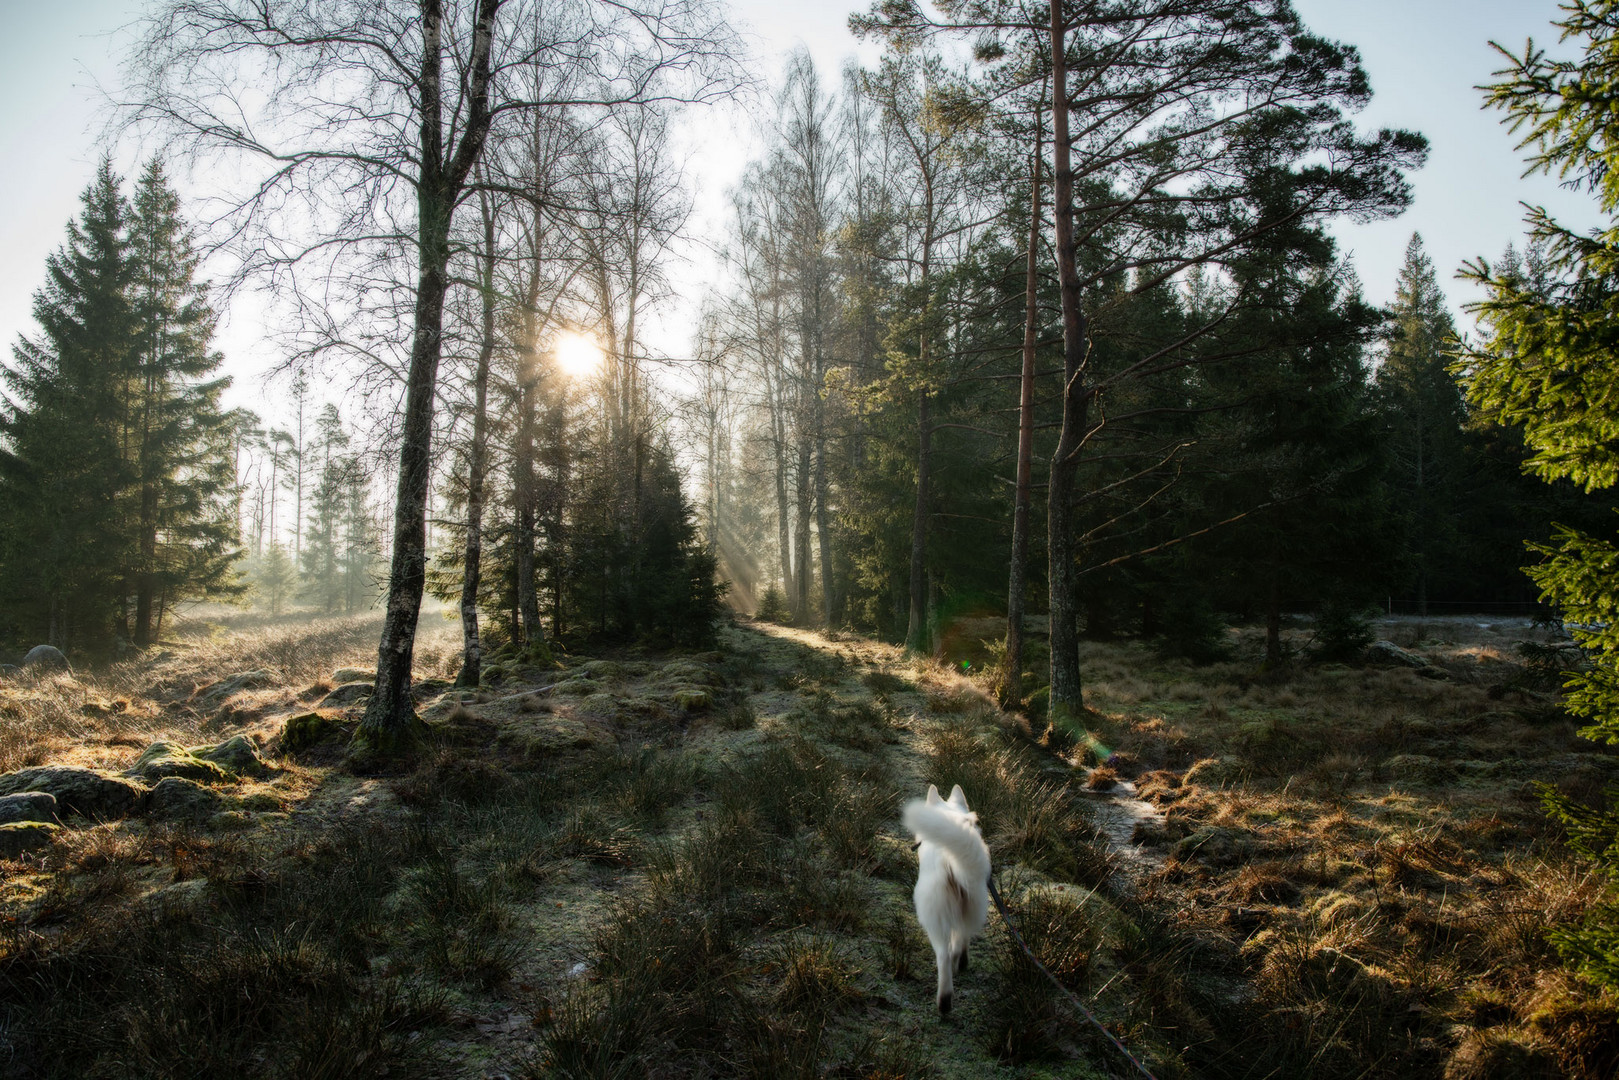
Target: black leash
1000	906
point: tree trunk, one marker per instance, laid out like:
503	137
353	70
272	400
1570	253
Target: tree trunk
1067	698
528	602
1017	578
917	629
471	645
823	531
783	527
801	537
390	721
1273	612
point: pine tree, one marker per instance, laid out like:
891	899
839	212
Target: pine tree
63	469
1546	365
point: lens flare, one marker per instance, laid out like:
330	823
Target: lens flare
577	354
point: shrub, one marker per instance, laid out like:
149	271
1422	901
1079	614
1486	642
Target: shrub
1342	630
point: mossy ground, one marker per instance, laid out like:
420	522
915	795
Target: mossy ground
691	865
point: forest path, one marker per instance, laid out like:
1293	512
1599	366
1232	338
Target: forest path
769	827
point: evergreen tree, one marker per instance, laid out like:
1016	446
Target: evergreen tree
1546	365
180	438
63	469
362	547
1425	415
117	474
322	559
275	576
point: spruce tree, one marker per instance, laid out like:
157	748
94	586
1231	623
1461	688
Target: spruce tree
179	437
64	471
117	474
1425	415
1546	365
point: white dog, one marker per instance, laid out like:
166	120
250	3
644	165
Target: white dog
952	883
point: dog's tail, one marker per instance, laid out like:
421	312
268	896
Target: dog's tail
951	831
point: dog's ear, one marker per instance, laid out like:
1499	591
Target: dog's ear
958	798
933	795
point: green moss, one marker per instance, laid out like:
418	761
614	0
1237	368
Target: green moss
305	730
693	699
162	760
17	837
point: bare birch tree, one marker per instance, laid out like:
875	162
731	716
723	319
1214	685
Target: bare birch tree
359	123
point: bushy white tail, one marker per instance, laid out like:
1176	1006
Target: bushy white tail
953	831
952	881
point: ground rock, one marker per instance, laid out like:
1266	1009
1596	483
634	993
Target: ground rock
428	687
1386	652
78	791
306	729
693	698
47	658
236	754
17	837
578	686
245	680
28	806
176	798
353	674
162	759
350	693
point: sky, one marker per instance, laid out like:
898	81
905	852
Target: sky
1424	57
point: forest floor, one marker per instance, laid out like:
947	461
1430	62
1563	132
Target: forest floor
672	865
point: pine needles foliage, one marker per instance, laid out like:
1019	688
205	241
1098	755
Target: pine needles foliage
1546	365
116	471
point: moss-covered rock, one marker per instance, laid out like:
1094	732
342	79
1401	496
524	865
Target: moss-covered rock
693	699
178	799
353	674
78	791
426	688
19	837
163	759
577	686
259	802
306	729
28	806
236	755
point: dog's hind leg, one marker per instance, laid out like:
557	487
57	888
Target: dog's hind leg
946	988
961	961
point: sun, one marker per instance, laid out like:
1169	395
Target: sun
577	354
